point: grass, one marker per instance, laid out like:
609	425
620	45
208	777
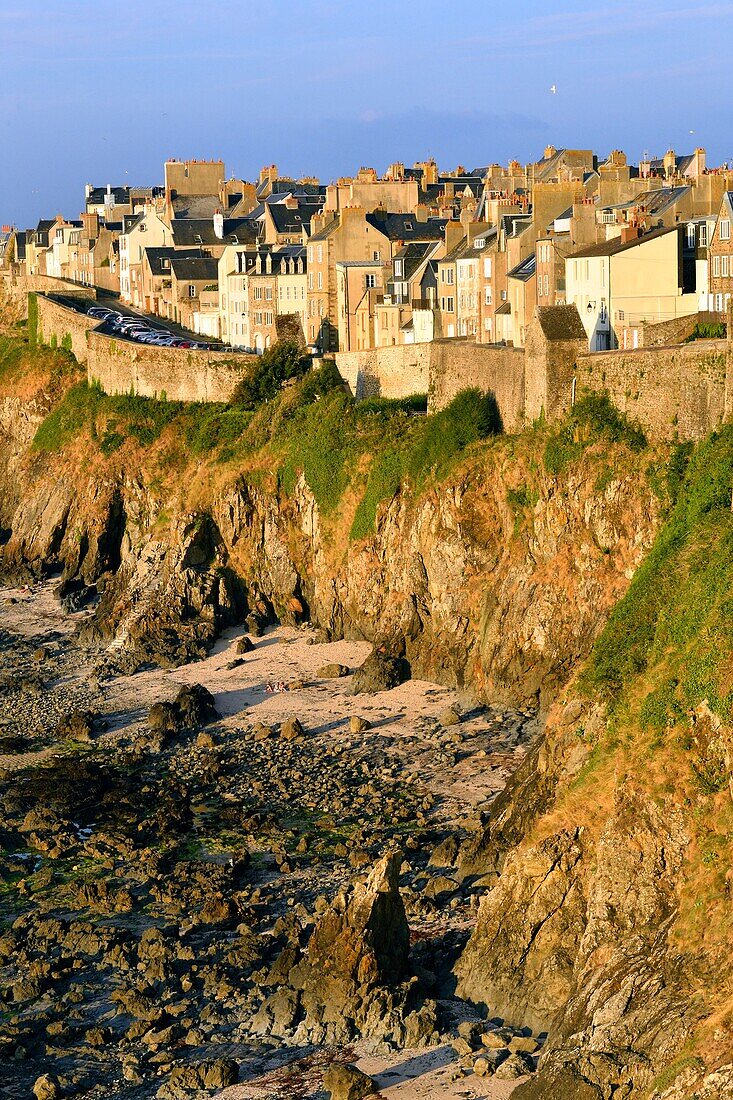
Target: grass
593	417
681	597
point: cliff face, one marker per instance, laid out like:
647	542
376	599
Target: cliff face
500	578
504	598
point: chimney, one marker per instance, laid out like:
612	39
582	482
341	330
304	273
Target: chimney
454	233
109	188
88	190
630	233
219	225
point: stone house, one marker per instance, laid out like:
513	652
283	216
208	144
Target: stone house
194	294
720	257
353	235
359	288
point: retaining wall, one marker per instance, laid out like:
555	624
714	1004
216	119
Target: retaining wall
181	374
670	391
500	371
386	372
61	325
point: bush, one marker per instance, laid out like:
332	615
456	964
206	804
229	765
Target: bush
284	361
681	597
471	416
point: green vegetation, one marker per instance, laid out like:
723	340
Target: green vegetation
593	417
281	363
680	602
708	330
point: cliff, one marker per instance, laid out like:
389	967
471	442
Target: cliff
502	564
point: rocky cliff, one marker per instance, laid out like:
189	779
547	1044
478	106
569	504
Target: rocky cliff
499	576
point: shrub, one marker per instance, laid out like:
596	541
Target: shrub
284	361
594	416
469	417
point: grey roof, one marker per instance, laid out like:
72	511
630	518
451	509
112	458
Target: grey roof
189	232
404	227
195	206
413	257
156	256
97	195
524	270
659	200
290	221
195	267
615	245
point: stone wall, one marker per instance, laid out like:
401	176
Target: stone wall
676	330
456	366
441	369
672	391
61	325
122	366
386	372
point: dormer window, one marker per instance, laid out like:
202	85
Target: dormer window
398	269
408	225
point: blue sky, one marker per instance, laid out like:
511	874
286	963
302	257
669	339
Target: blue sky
320	87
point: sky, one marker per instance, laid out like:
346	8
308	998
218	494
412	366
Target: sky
106	93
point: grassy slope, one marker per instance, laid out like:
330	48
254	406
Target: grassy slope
664	667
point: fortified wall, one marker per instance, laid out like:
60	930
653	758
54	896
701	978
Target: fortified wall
682	390
679	391
124	366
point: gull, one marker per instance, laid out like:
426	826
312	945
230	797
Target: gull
553	89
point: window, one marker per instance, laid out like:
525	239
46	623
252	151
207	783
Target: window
268	293
377	256
725	229
319	254
449	276
704	235
258	318
488	297
310	280
724	269
547	285
487	324
320	280
449	305
691	235
268	318
258	293
191	290
408	225
398	269
370	280
716	267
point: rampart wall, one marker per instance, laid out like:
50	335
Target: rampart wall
680	391
60	325
670	391
180	374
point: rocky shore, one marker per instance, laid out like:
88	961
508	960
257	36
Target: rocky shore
209	883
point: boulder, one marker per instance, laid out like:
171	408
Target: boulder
358	950
77	725
358	725
347	1082
380	672
333	671
192	708
450	716
46	1087
291	729
244	645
